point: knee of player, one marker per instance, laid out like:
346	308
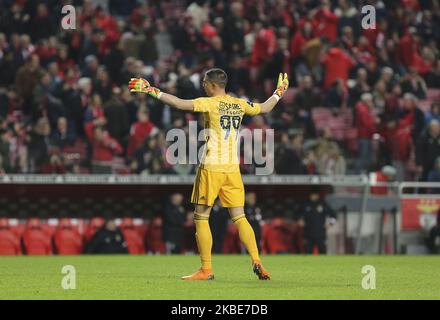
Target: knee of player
202	212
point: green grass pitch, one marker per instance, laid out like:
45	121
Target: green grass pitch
158	277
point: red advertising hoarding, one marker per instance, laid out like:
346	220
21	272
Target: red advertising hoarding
419	213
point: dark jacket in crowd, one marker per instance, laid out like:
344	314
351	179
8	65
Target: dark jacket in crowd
288	161
306	99
117	120
107	242
434	240
315	214
253	214
427	151
60	140
434	237
71	100
218	222
38	148
173	220
418	122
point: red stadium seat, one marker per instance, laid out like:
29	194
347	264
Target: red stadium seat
50	226
119	166
16	227
297	239
189	240
35	239
154	241
67	239
232	242
277	237
133	238
94	225
81	225
338	125
9	241
142	229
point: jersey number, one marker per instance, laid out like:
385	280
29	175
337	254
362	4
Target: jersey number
227	121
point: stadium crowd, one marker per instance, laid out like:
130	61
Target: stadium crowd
65	106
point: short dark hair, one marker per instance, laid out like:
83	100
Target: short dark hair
217	76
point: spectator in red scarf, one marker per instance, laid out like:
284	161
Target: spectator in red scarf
392	100
46	51
364	51
304	34
104	147
366	125
400	144
64	61
423	63
403	127
140	131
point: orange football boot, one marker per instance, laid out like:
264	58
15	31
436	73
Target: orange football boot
258	269
200	274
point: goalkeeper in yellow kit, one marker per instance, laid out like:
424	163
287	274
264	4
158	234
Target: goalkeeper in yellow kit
218	174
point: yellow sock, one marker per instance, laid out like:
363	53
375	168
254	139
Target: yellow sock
204	239
247	236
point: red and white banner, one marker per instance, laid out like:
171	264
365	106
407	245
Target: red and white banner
419	213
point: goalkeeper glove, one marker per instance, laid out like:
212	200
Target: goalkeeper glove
282	86
143	86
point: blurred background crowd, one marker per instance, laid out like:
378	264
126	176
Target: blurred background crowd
361	100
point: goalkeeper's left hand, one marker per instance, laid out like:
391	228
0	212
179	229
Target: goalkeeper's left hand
143	86
282	85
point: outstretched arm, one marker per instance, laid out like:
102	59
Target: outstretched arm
173	101
143	86
282	86
269	104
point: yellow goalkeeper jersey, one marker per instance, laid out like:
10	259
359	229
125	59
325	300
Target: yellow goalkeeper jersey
222	118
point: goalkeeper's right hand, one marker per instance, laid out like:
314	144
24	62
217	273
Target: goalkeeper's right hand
141	85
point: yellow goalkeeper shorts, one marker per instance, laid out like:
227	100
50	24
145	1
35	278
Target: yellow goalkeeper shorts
209	185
